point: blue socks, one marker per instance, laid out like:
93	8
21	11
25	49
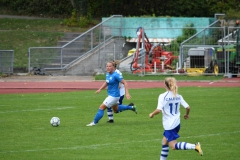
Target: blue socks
100	112
123	108
98	116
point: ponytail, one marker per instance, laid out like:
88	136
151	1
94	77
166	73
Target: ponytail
171	85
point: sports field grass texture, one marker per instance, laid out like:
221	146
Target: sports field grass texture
26	133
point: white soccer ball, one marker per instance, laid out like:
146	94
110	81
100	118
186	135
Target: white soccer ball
55	121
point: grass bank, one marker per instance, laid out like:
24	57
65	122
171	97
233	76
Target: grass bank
20	34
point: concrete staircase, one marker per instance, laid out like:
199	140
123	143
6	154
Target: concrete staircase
68	36
95	61
69	52
90	63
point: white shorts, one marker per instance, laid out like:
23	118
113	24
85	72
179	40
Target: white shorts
111	101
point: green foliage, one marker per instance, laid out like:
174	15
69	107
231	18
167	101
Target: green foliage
72	21
85	21
79	21
232	14
103	8
187	32
46	8
127	38
27	134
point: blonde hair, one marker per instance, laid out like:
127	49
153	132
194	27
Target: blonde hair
114	63
171	85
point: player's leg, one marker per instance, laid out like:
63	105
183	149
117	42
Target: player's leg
172	136
98	115
107	103
110	115
165	149
122	107
186	146
110	111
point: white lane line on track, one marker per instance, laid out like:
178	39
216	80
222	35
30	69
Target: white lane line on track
34	110
110	144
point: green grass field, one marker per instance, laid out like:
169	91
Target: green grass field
25	131
130	76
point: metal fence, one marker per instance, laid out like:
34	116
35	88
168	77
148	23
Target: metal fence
204	42
6	61
213	50
83	54
190	53
202	53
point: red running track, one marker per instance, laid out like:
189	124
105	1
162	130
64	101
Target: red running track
37	87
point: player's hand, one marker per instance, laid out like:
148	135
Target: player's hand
128	96
186	116
98	91
151	115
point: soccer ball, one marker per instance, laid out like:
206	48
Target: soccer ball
55	121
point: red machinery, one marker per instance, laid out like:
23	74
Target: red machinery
154	56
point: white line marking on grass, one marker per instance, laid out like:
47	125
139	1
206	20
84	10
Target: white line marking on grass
110	144
216	134
34	110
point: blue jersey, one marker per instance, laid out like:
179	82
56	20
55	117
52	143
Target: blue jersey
113	84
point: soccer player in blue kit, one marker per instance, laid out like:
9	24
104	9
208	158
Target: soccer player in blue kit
169	104
112	82
122	93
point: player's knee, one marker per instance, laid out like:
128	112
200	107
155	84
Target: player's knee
173	147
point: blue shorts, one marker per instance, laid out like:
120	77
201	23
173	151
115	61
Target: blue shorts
172	134
120	100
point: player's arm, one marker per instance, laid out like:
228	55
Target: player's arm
104	85
186	106
157	111
126	88
159	106
186	116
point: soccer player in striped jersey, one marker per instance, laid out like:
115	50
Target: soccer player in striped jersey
112	82
169	104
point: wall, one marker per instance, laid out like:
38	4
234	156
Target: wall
170	27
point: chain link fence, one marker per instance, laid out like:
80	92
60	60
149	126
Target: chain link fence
6	61
84	54
208	50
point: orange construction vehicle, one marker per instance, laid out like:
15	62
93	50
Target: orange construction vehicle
154	56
